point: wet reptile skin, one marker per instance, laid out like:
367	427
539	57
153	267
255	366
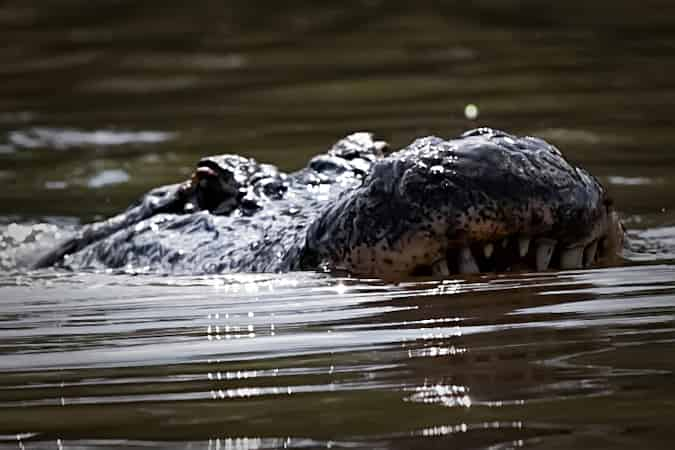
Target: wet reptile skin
354	208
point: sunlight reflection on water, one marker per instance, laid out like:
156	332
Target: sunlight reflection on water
467	343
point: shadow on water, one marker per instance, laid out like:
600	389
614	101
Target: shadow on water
103	100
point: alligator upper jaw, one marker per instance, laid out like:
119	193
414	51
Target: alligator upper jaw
428	254
518	253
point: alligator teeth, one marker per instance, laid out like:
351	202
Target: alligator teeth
488	249
467	263
440	268
523	246
544	252
571	258
589	253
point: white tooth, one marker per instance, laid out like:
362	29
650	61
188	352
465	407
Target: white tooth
488	249
523	246
571	258
467	263
505	242
440	268
589	253
544	252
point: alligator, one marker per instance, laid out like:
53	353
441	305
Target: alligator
486	201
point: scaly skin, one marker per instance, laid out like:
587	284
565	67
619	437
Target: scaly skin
482	202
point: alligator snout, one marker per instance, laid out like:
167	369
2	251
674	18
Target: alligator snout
486	201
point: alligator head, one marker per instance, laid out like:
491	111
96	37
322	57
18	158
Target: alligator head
486	201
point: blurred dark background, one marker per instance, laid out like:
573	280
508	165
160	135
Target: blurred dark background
101	100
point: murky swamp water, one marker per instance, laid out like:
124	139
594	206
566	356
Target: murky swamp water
100	101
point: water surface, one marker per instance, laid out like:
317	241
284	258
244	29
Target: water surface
100	101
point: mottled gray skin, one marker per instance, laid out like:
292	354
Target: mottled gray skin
354	209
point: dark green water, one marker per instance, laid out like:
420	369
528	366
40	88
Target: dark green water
100	101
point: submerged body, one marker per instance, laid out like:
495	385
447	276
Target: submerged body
485	201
